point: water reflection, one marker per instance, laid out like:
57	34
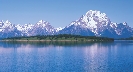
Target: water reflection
66	56
14	44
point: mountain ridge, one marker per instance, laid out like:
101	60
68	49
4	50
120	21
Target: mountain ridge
93	23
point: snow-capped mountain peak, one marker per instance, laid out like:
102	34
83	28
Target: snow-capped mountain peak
42	23
92	13
7	21
92	19
95	17
24	27
7	24
92	23
124	23
58	29
99	24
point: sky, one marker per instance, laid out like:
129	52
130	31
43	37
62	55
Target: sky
60	13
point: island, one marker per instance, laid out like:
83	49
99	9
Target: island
60	37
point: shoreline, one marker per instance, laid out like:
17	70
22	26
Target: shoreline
56	40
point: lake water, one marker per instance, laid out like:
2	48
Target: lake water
114	56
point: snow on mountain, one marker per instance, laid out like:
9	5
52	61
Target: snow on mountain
58	29
42	28
7	29
1	25
123	30
93	23
99	24
25	29
76	30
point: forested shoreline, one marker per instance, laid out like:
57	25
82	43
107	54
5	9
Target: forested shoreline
60	37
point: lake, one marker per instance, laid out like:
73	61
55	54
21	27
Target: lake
114	56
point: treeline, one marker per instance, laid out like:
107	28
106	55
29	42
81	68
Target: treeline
62	37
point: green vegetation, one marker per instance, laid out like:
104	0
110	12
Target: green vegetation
60	37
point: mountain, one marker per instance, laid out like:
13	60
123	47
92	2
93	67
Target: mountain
76	29
98	24
25	29
93	23
7	29
42	28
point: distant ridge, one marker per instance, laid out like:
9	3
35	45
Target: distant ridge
93	23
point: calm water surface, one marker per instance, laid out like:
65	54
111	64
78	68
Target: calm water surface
66	56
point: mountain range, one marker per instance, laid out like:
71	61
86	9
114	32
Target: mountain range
93	23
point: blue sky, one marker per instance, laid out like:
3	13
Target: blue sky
60	13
